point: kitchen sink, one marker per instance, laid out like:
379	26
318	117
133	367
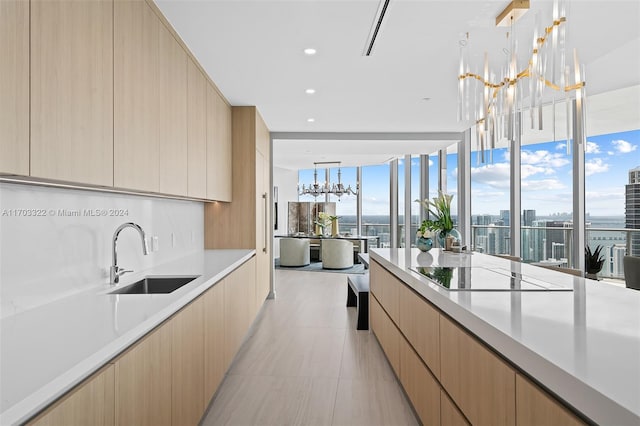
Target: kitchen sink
155	285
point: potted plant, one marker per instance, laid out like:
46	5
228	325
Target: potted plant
593	262
322	221
440	210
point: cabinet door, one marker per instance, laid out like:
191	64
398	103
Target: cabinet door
136	96
263	255
421	387
535	407
14	87
449	413
239	303
143	381
386	288
480	383
196	131
187	364
72	90
90	403
172	76
219	167
214	314
419	322
387	334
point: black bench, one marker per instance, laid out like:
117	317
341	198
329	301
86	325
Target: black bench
358	295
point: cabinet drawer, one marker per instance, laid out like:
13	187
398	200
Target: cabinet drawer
421	387
536	407
481	384
387	334
386	287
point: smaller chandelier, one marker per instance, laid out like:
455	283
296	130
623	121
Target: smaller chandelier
338	189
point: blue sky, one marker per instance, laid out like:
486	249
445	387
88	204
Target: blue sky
546	179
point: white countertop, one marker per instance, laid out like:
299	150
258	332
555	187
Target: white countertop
46	351
582	345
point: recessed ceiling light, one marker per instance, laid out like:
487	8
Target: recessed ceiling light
310	120
310	91
426	99
309	51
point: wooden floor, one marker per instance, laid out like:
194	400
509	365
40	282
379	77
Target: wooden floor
305	364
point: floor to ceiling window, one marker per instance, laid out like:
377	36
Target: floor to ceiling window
375	202
346	205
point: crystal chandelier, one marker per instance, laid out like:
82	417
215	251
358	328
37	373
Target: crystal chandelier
338	189
496	104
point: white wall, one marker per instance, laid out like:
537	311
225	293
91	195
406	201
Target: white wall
287	183
44	258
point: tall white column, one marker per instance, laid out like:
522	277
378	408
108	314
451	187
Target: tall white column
393	203
407	201
515	192
579	142
464	188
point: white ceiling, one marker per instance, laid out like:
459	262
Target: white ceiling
253	50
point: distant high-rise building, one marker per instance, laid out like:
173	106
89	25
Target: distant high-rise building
528	216
483	221
632	209
504	216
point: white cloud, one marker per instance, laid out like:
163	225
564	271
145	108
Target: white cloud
544	159
430	162
595	166
542	185
561	146
494	175
592	148
623	147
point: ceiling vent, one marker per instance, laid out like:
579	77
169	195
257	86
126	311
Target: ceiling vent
375	27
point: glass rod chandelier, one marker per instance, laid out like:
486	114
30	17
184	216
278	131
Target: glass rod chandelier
338	189
496	104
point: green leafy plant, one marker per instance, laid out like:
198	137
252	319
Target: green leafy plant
593	261
440	209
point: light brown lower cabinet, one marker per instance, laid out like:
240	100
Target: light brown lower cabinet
449	413
422	388
143	381
187	364
90	403
482	385
535	407
214	366
386	332
240	309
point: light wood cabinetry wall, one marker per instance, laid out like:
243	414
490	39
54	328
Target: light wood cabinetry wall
136	96
219	149
450	376
196	131
105	93
90	403
14	87
172	79
72	91
251	198
536	407
187	364
143	381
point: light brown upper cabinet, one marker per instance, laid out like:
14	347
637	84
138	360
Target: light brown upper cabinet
173	114
72	91
136	96
14	87
196	131
218	147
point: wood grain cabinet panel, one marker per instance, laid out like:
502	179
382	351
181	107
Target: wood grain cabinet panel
14	87
143	381
72	91
480	383
136	96
90	403
172	77
421	387
386	287
196	131
187	364
214	314
387	334
449	413
239	303
219	149
536	407
419	322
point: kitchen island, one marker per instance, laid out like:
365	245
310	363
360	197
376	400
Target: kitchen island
49	350
576	342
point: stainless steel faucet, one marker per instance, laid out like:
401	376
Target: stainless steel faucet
116	271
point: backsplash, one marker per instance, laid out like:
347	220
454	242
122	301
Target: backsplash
56	242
